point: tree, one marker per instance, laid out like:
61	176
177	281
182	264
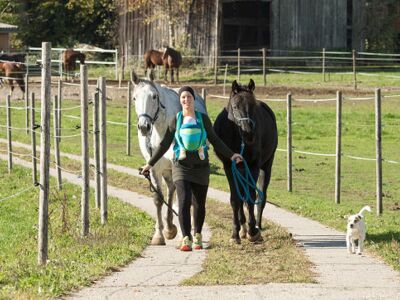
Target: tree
63	22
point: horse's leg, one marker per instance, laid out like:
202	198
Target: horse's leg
235	204
172	75
11	83
253	234
158	237
21	84
242	220
170	230
177	75
165	72
265	177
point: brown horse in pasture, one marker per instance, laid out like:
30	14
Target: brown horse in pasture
14	73
170	58
69	58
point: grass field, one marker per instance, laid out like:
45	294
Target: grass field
73	261
367	78
313	131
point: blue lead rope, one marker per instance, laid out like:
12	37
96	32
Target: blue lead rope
246	182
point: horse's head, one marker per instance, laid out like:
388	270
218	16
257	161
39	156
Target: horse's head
241	109
147	103
166	52
81	57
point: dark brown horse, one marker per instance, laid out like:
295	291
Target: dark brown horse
170	58
13	73
19	57
248	126
69	58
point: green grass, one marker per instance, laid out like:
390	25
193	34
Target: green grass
340	78
73	261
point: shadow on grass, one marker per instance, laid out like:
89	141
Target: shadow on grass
388	236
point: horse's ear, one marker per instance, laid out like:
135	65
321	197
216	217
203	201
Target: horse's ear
235	87
134	77
251	85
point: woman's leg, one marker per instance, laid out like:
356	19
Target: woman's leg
184	193
199	205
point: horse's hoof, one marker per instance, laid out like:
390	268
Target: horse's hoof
235	241
243	231
158	241
255	238
170	232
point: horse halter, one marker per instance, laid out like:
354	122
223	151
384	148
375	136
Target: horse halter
239	120
159	104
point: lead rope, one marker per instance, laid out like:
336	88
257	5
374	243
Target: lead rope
153	189
246	182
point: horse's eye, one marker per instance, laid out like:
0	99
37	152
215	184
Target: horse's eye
154	97
134	98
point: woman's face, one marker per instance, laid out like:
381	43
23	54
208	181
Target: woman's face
187	100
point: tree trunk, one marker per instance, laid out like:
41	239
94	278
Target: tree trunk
171	29
188	22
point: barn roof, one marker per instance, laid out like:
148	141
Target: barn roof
8	28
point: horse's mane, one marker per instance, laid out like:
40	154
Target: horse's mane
176	55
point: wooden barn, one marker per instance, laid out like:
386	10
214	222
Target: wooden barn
208	27
5	31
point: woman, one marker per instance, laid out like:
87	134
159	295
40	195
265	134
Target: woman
191	168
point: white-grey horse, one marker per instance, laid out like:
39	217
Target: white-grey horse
155	107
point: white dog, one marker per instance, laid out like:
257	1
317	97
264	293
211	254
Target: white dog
356	231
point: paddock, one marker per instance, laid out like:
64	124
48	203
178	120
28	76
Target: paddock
313	142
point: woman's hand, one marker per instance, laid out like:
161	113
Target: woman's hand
145	169
237	157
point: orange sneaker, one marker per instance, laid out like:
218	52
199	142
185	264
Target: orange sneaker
186	244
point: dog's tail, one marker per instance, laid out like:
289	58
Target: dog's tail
365	208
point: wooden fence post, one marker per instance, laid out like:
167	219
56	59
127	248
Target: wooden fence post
33	139
204	95
103	150
216	42
85	152
116	64
264	66
238	64
339	101
128	118
225	75
59	94
96	146
9	133
354	69
57	143
44	155
60	66
26	96
289	141
378	137
323	64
